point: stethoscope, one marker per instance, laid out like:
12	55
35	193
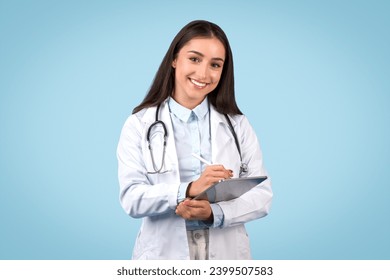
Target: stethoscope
165	135
243	166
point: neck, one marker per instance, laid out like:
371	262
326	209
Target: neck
188	103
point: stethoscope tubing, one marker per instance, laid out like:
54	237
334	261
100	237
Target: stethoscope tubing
243	166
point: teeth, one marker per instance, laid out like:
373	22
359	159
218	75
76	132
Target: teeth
198	83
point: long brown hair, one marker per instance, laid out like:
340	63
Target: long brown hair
222	97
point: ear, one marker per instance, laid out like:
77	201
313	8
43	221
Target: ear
174	63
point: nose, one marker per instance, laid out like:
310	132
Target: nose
202	71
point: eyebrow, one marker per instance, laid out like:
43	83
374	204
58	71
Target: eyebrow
202	55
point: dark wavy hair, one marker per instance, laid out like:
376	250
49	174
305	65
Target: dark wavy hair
222	97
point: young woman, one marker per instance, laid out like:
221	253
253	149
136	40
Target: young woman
191	109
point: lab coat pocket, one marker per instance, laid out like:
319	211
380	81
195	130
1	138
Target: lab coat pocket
143	246
164	175
243	246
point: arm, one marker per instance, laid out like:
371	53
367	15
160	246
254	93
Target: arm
138	196
202	210
256	203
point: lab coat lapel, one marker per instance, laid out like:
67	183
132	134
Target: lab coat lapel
171	146
222	143
171	161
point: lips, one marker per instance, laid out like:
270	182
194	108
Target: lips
198	84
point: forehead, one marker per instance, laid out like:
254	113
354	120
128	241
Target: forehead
211	47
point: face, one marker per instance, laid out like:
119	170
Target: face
198	68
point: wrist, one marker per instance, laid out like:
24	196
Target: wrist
210	219
188	194
193	189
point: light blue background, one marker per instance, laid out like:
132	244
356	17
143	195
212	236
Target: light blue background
312	76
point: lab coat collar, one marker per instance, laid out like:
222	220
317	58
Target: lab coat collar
150	113
220	118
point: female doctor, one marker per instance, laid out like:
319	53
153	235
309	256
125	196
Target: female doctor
191	109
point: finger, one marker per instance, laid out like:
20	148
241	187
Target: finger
183	212
220	168
216	167
196	203
216	171
199	210
190	204
180	207
221	174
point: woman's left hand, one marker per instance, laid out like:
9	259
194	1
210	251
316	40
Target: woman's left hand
195	210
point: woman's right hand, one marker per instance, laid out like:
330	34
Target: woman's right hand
211	175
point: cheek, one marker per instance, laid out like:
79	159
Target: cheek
183	69
215	78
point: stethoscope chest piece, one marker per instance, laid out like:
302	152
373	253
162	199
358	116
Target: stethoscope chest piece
243	168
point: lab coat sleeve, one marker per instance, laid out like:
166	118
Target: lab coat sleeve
138	196
256	203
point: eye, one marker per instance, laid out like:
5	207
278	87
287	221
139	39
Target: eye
194	59
216	65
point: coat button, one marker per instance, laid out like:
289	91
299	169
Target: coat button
198	235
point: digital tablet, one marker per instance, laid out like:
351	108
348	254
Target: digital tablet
229	189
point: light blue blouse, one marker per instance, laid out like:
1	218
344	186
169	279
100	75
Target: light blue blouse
192	135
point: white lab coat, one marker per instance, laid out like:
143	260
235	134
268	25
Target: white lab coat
153	197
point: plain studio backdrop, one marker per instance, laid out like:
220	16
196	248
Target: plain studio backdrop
312	77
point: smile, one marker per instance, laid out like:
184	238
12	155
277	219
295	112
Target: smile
198	84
